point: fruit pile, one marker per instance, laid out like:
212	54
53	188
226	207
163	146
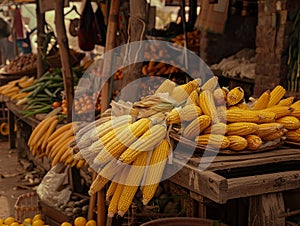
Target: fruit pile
21	63
35	221
194	38
80	221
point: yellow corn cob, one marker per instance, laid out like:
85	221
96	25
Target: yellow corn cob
111	190
105	175
296	104
145	143
208	106
237	143
220	96
132	183
40	130
213	141
210	84
48	133
295	111
276	94
182	92
155	171
274	136
286	102
116	146
262	101
113	204
187	113
197	126
289	122
222	113
218	128
266	129
241	128
254	142
293	135
280	111
256	116
193	98
166	87
243	105
234	96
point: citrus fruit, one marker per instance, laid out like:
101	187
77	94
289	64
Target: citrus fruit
66	224
79	221
27	220
14	224
37	217
9	220
91	223
38	223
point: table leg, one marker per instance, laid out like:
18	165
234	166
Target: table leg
12	134
265	210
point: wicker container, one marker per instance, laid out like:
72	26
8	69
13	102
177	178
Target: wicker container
27	205
183	221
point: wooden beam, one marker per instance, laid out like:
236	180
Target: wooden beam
64	56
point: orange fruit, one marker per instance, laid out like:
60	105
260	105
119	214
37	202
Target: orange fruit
91	223
27	220
37	217
9	220
38	223
66	224
79	221
14	224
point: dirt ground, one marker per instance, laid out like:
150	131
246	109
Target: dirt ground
14	180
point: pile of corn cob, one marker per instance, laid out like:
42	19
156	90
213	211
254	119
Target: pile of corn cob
12	89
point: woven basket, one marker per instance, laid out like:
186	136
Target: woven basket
27	205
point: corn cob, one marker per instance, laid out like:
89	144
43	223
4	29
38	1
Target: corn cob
210	84
208	106
61	130
197	126
155	171
213	141
55	142
222	113
286	102
280	111
61	147
243	105
145	143
262	101
296	111
293	135
132	183
111	190
166	87
276	94
105	175
256	116
80	163
237	143
296	104
59	154
241	128
193	98
220	96
187	113
218	128
274	136
254	142
113	204
115	147
289	122
234	96
266	129
182	92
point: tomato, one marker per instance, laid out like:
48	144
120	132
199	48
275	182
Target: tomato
56	104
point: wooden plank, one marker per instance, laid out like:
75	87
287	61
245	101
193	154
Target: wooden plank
205	183
262	184
265	210
12	134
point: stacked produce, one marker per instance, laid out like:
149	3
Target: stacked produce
21	63
13	88
36	220
194	38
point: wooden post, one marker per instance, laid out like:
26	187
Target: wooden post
64	56
40	17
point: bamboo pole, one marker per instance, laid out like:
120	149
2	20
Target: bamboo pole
64	56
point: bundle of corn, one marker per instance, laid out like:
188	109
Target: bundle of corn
153	68
12	88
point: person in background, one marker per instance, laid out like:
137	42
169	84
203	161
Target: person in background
24	44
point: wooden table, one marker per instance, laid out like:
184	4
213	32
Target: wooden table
261	177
